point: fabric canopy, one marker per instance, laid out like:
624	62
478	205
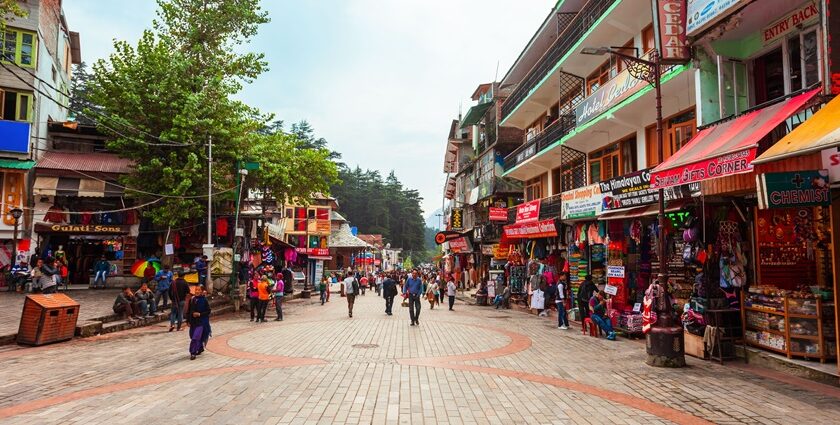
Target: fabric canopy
725	149
15	164
65	186
475	113
817	133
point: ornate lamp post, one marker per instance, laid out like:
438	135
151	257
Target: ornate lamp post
665	340
16	214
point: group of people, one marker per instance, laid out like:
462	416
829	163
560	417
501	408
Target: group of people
265	287
45	276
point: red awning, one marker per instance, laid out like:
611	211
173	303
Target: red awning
727	148
540	229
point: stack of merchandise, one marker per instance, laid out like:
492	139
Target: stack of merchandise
631	322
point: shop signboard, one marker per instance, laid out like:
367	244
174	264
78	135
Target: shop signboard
611	289
705	13
669	30
725	165
528	212
489	250
794	189
790	22
456	219
584	202
460	245
833	23
607	96
633	190
83	229
498	214
540	229
317	252
831	162
615	271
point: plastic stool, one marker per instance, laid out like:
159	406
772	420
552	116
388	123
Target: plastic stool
594	330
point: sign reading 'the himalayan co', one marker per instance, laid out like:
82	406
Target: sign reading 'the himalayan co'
528	212
724	165
584	202
794	189
633	190
669	27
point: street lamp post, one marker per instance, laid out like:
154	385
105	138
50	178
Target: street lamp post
16	214
665	341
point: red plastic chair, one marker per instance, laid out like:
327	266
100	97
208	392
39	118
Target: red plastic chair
593	327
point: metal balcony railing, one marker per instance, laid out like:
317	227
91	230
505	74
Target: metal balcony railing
575	29
559	128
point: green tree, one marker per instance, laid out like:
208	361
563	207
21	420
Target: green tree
166	97
306	134
80	96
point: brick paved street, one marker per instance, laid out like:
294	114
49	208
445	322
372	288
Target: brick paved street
474	365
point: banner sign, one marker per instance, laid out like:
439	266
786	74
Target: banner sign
540	229
489	250
441	237
528	212
498	214
794	189
633	190
831	162
609	95
456	219
705	13
584	202
669	30
790	22
725	165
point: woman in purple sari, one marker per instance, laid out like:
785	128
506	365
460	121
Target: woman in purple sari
198	314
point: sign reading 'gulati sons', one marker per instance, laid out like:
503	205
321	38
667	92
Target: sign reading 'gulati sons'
82	228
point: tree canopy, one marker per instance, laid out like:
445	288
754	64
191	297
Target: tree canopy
169	95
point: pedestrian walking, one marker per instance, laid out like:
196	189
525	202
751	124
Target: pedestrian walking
178	294
198	314
264	294
414	289
379	281
363	283
323	287
351	288
432	293
450	292
279	288
389	291
560	302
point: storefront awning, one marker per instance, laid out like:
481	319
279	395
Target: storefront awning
66	186
646	211
819	132
15	164
475	113
537	230
623	213
725	149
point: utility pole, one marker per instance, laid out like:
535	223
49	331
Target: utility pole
208	247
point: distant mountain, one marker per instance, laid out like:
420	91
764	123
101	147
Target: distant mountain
433	220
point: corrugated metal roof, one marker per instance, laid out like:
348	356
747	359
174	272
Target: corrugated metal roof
85	162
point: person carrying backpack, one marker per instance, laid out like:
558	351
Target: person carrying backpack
351	288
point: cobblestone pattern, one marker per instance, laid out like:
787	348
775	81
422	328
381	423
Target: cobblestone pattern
470	366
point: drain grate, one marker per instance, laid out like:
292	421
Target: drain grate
365	346
498	317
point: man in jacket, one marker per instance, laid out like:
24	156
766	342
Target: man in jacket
178	293
587	289
414	289
164	281
351	288
145	299
389	291
124	304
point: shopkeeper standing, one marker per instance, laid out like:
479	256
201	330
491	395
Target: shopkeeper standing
585	292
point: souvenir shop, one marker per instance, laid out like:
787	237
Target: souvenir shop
532	248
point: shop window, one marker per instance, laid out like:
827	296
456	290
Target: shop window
676	133
733	86
18	47
12	186
16	106
628	155
648	39
533	189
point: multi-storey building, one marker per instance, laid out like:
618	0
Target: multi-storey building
36	54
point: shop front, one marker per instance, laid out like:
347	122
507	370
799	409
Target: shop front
586	237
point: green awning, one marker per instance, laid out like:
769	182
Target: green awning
16	164
475	113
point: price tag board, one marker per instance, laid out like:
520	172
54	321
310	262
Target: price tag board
615	271
610	289
637	307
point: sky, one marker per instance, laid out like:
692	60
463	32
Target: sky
381	80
